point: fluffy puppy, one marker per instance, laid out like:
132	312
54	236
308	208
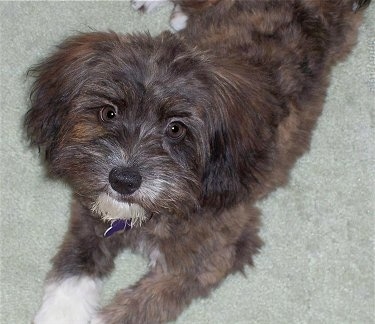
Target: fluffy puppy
168	141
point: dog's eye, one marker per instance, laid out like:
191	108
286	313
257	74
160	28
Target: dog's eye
108	113
176	131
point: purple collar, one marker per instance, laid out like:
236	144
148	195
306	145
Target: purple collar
118	225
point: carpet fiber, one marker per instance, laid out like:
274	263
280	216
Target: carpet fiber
317	265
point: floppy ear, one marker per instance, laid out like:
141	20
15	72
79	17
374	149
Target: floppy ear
43	120
58	80
246	114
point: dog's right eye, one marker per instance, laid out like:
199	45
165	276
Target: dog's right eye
108	113
176	131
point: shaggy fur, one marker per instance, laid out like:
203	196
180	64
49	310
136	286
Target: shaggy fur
187	130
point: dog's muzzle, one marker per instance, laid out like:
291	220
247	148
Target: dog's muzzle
125	180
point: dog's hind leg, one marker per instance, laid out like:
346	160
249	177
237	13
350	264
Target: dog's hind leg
147	5
178	18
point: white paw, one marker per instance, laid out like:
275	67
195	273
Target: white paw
178	19
70	301
97	320
147	5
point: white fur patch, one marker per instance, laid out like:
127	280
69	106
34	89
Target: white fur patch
111	209
147	5
97	320
178	19
73	300
158	258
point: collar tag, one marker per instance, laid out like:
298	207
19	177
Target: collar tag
118	225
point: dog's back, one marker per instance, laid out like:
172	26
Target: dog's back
252	27
294	43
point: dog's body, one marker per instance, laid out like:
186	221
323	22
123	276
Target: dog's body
182	133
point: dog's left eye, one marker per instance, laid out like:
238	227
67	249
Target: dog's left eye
176	131
108	113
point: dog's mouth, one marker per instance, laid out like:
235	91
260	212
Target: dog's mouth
110	209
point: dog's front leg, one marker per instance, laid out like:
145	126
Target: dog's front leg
73	285
161	295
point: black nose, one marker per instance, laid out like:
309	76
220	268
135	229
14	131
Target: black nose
125	180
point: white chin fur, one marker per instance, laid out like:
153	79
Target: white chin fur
111	209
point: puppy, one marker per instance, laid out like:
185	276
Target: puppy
167	142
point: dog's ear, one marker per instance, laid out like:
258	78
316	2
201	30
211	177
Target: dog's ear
58	80
246	114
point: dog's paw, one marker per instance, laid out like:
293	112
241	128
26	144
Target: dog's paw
97	320
73	300
147	5
178	19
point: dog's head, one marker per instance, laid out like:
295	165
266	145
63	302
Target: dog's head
140	125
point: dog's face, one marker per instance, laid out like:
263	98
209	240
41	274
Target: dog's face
141	125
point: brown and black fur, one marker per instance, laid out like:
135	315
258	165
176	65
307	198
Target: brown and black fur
248	80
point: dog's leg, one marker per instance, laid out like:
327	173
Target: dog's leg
188	266
160	296
178	19
147	5
73	285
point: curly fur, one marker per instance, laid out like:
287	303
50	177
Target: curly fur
246	80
